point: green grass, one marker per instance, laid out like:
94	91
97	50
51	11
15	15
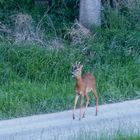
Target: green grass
22	98
127	137
36	80
114	137
119	134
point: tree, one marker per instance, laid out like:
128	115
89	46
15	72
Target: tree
90	13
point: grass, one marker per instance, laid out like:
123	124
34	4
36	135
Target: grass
36	80
114	137
22	98
128	133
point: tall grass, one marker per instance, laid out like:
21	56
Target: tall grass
36	80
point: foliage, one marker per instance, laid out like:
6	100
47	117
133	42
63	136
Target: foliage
11	3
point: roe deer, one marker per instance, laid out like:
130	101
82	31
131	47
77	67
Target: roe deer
84	84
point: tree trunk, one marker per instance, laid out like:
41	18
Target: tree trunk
90	13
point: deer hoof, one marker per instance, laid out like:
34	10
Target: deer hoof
73	117
83	116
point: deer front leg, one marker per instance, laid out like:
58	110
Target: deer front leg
75	103
81	105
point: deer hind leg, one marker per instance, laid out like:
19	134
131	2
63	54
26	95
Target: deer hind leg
96	96
87	103
81	105
75	103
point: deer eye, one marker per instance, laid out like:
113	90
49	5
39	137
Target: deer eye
77	69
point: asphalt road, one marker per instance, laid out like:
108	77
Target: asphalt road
112	118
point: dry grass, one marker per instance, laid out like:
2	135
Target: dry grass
25	30
78	33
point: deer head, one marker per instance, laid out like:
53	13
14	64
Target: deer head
76	69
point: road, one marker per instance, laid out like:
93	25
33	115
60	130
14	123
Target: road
123	117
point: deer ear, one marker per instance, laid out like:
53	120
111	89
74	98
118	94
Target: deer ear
81	66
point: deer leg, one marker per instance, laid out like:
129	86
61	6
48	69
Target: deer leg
96	96
81	105
87	103
75	103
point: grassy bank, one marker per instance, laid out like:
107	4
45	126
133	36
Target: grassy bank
35	79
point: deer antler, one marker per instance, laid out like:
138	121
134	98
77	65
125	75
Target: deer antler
76	63
79	63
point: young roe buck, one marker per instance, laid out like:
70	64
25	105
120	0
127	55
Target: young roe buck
84	84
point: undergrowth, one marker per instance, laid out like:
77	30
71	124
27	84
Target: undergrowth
36	79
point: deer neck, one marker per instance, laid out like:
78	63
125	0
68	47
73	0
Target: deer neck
78	79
